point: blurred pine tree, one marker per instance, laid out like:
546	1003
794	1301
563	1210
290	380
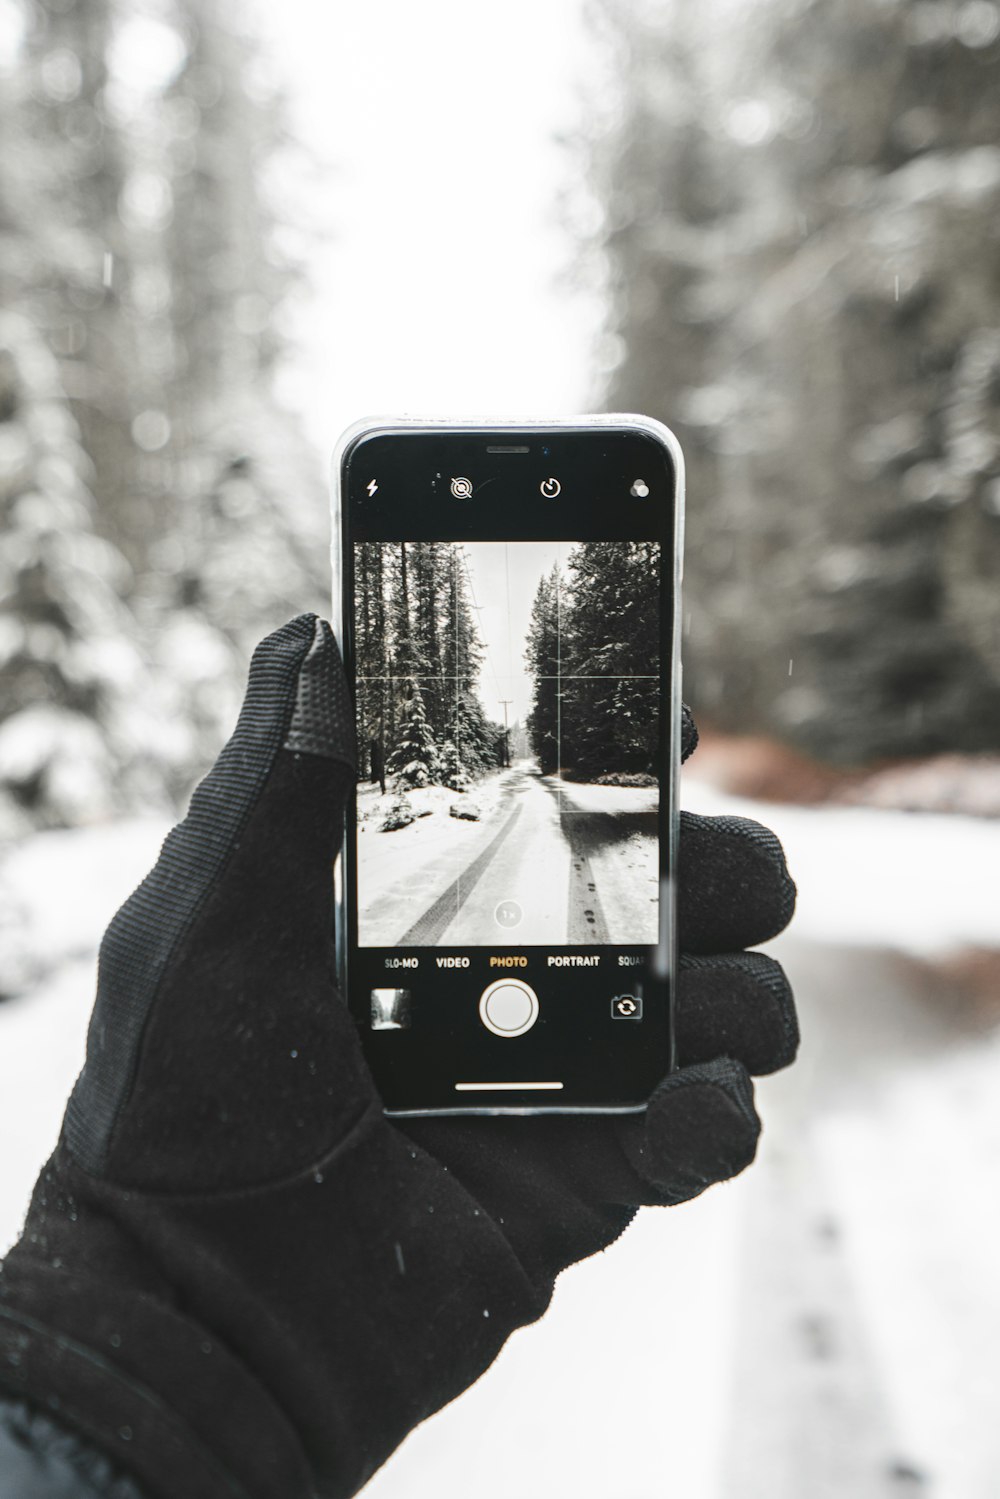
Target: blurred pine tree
84	733
252	527
141	257
800	203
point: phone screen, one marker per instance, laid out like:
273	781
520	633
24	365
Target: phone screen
508	627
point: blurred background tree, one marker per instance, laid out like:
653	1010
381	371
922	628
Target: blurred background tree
801	233
798	239
153	491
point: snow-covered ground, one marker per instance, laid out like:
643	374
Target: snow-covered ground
574	863
824	1326
400	873
614	847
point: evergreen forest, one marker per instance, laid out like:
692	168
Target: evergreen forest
594	656
797	207
791	220
418	654
160	510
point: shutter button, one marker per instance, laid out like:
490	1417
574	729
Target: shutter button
508	1008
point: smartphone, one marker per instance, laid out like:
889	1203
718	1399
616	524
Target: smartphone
507	603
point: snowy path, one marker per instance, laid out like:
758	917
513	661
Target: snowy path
521	868
870	1301
825	1327
614	886
575	864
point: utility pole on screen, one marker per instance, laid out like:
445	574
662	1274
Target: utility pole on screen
506	702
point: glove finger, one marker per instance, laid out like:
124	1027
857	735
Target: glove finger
733	885
296	709
563	1187
689	733
736	1005
302	797
700	1127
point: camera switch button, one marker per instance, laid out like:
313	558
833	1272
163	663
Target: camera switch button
508	1007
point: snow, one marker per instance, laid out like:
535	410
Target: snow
890	1123
888	1131
431	799
401	872
524	865
625	867
69	884
916	1170
523	849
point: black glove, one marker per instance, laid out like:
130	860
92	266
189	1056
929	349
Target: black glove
237	1277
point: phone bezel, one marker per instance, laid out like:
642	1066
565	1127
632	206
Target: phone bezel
488	427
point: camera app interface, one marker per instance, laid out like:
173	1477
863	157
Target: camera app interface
507	703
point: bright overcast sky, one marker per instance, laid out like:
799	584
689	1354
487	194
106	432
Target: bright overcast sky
438	288
505	578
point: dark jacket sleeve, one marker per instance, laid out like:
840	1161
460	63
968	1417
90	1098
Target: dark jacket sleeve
41	1460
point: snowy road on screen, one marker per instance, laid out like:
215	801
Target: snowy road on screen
554	863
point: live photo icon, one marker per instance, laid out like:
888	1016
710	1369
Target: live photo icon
626	1007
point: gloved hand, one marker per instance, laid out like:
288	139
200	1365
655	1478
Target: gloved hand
237	1277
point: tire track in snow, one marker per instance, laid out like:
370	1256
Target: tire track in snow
427	929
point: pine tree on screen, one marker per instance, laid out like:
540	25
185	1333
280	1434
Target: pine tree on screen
417	633
611	658
542	657
429	582
412	754
371	652
413	759
466	723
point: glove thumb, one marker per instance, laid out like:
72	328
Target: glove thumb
296	702
287	767
236	916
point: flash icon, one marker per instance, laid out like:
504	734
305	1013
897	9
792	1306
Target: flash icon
372	486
